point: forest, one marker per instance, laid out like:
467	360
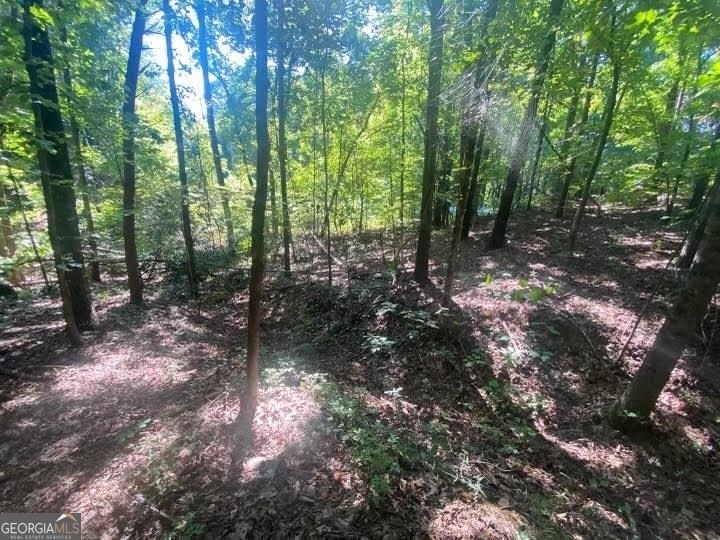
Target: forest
382	269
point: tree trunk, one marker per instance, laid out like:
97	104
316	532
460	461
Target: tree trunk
257	268
681	169
82	174
26	222
180	147
283	90
473	198
678	330
212	131
467	143
700	186
326	191
274	221
517	161
573	131
538	152
602	140
432	109
697	230
129	122
56	177
7	239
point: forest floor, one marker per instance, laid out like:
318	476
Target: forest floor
373	422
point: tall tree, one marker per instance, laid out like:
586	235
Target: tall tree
678	330
180	148
432	109
212	131
568	149
129	125
610	108
81	171
56	173
257	267
520	149
284	71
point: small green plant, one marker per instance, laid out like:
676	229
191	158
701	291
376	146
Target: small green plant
476	358
378	344
533	294
376	448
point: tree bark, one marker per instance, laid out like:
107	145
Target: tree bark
602	140
467	143
257	268
212	131
432	110
129	123
180	147
283	74
56	177
678	330
82	173
697	230
7	239
571	130
473	199
519	154
326	191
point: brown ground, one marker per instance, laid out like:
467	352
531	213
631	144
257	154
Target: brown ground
373	423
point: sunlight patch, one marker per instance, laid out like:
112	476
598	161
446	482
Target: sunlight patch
459	519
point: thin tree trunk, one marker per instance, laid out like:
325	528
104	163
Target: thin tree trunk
212	131
681	169
664	130
678	330
572	131
274	221
7	239
81	172
602	140
56	178
538	152
26	222
326	192
129	122
466	166
517	161
432	110
257	268
180	147
536	162
473	200
283	90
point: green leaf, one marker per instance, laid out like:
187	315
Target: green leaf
488	278
41	17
